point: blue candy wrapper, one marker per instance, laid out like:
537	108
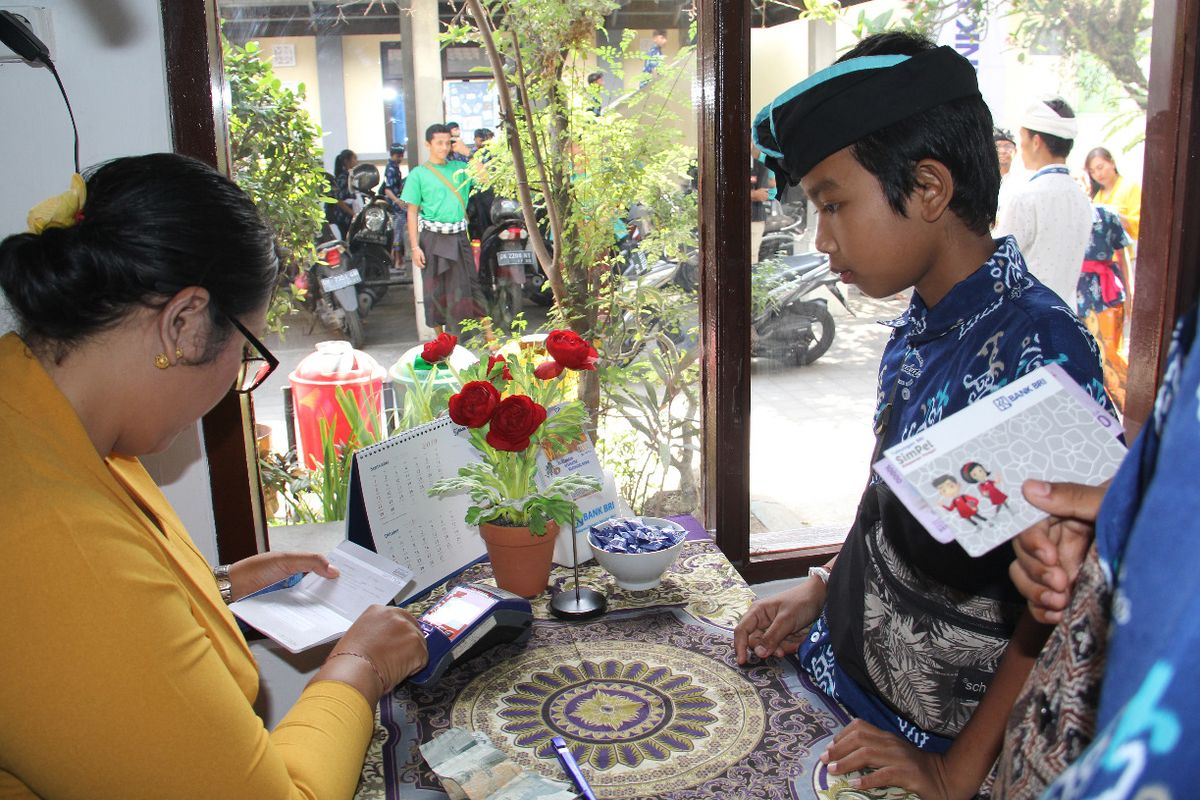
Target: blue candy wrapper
625	535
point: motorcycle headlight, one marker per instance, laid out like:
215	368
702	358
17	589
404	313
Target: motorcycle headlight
375	218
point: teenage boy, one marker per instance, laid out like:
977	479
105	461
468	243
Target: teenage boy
924	644
1048	216
436	194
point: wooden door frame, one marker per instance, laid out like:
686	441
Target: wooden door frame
1167	280
200	129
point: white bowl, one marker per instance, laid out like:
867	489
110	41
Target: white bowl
640	571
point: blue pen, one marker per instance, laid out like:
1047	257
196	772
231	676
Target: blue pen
571	767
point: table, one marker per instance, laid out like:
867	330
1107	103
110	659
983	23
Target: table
649	696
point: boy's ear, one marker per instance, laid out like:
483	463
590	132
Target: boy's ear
935	189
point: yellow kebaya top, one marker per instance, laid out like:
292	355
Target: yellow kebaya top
1126	198
123	673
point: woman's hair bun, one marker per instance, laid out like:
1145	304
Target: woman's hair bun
151	226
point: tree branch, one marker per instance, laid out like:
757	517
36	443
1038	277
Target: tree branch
553	274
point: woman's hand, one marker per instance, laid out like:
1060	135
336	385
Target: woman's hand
860	746
775	625
383	647
258	572
1050	552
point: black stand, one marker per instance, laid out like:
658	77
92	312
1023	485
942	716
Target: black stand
579	604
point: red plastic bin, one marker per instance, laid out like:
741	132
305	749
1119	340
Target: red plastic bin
314	384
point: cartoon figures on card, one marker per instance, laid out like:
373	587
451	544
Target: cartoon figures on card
966	505
974	472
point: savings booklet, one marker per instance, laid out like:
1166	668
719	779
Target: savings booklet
961	478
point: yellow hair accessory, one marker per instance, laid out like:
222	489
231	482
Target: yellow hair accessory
60	211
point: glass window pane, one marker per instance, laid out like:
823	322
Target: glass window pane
620	154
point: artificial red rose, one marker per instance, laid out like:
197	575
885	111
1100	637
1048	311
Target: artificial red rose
493	360
514	421
548	370
437	349
571	350
473	406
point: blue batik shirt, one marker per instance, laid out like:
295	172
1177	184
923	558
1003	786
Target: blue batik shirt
394	181
1148	540
993	327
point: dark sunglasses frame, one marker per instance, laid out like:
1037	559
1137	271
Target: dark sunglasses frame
263	353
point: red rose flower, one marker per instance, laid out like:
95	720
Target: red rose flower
493	360
434	351
571	350
548	370
473	406
515	420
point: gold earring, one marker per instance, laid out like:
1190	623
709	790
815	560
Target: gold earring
161	361
179	353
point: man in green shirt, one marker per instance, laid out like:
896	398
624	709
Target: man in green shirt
436	194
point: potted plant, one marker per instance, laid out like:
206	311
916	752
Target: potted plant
512	409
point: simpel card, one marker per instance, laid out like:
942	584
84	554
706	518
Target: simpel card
961	478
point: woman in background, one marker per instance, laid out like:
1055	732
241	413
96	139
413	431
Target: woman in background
139	300
1110	188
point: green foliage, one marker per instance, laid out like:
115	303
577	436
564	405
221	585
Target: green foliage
323	494
276	158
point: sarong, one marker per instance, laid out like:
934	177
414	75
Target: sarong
451	284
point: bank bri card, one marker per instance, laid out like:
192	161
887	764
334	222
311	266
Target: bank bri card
961	478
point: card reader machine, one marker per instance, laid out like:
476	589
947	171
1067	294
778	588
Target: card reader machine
470	619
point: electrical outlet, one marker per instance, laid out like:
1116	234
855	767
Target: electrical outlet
38	20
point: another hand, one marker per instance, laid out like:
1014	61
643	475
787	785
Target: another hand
418	257
260	571
391	638
1050	552
774	626
760	195
860	745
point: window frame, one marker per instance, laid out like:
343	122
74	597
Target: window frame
1168	279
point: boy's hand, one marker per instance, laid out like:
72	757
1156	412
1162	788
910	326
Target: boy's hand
1050	552
418	257
775	625
895	762
760	195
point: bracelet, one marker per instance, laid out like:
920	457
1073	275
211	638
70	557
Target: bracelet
224	584
820	573
382	683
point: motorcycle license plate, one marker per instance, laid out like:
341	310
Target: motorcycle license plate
335	282
506	258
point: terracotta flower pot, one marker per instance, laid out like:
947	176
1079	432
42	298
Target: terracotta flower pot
520	559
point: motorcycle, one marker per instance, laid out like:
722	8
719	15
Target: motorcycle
332	290
506	264
782	232
788	324
641	274
369	239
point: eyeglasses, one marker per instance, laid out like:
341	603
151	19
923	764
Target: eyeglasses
257	362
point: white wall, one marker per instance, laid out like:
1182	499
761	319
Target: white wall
110	57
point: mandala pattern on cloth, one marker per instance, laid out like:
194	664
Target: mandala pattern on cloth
651	702
646	720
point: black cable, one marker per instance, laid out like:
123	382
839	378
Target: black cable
50	65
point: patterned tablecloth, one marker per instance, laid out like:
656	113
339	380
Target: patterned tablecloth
649	697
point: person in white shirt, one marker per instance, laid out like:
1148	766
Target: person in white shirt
1049	217
1012	176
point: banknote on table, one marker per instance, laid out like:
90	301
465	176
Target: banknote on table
840	789
471	768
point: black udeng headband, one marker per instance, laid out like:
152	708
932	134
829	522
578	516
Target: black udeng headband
841	104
